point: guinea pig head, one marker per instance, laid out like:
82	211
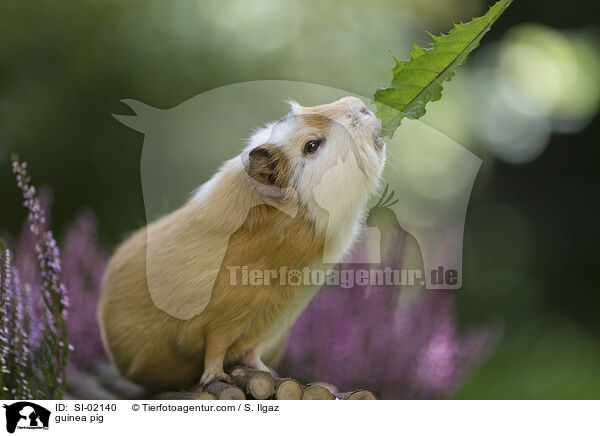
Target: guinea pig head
330	155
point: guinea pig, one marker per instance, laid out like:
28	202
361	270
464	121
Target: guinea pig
170	314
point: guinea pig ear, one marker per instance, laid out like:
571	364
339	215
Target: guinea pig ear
265	168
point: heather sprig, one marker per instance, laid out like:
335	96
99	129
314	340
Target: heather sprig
6	291
53	349
83	261
15	350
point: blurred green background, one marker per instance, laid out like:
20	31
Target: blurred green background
526	103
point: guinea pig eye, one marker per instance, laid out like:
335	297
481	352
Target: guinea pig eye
312	146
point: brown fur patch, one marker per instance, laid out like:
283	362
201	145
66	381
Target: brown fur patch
269	165
268	240
315	120
321	116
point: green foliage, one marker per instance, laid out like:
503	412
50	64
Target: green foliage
418	80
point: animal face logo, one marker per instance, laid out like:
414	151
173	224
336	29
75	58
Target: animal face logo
26	415
429	178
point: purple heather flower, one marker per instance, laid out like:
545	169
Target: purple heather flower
21	344
83	266
6	292
52	340
412	351
27	264
363	338
15	351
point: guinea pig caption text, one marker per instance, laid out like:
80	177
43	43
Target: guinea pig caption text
95	411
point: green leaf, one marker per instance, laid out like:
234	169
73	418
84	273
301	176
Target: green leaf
418	80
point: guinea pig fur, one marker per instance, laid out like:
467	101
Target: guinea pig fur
294	198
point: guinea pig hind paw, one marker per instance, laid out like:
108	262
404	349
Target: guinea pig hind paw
209	378
257	364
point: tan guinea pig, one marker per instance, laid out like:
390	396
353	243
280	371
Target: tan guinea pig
171	310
